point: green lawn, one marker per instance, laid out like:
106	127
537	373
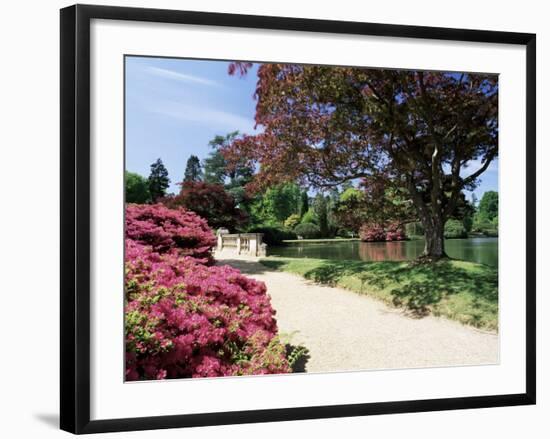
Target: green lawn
458	290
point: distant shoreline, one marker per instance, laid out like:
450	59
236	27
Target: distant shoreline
332	240
293	241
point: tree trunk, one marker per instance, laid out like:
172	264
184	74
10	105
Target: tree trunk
434	247
433	221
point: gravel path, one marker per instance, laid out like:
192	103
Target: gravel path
347	331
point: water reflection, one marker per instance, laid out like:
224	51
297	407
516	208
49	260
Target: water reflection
382	251
482	250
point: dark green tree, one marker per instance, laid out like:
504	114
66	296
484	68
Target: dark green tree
137	189
468	221
158	180
332	218
304	204
193	170
215	170
234	177
321	210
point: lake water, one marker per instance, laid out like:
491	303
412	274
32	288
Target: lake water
482	250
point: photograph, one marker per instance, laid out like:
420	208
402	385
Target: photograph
288	218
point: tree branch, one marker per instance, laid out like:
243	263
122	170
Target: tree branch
471	178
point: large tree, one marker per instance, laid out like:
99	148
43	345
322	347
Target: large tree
276	204
488	206
234	176
321	210
193	170
158	180
417	131
137	189
303	205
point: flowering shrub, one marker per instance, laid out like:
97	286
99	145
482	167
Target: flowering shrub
169	230
375	232
395	233
187	319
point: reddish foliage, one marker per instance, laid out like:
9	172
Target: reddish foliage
416	131
169	230
211	202
376	232
187	319
239	67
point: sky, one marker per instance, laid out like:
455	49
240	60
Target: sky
174	107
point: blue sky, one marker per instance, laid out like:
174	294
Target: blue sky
174	107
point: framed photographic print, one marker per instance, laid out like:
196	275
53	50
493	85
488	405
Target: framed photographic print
268	218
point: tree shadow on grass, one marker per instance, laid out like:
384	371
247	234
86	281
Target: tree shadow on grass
417	297
273	263
250	267
418	287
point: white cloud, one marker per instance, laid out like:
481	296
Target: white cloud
206	116
183	77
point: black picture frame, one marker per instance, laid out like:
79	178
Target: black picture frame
75	217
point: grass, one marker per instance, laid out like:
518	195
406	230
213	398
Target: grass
459	290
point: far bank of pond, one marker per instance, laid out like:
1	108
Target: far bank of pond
480	250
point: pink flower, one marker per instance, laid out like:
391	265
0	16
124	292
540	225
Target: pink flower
184	317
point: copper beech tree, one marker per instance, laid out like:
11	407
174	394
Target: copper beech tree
430	133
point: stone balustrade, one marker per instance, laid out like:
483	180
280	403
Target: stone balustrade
248	244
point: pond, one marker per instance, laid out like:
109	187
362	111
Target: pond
481	250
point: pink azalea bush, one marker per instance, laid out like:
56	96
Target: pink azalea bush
170	230
187	319
376	232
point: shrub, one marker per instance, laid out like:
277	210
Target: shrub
376	232
169	230
273	235
211	202
372	233
395	234
455	229
486	227
185	319
292	221
307	230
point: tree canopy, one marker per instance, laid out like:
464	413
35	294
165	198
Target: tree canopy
136	187
488	206
414	131
277	204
